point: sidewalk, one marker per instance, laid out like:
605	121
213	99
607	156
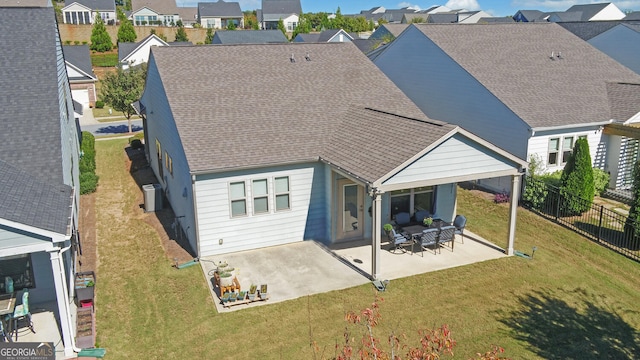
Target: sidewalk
87	117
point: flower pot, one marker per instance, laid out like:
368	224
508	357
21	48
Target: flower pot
251	296
226	279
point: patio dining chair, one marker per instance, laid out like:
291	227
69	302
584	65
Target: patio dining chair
21	312
403	219
429	238
399	241
420	215
446	235
460	222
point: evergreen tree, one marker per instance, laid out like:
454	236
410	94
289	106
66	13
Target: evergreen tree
632	225
577	185
304	27
100	39
281	27
126	32
161	36
209	38
181	34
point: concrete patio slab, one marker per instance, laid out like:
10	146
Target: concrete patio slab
306	268
45	323
394	266
290	271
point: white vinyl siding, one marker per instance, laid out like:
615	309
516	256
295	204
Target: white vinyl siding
141	54
304	220
541	146
456	157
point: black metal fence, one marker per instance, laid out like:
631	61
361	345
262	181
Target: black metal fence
604	226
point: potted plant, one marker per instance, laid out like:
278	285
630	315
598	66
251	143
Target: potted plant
263	291
242	295
233	296
226	279
387	228
225	298
427	221
253	289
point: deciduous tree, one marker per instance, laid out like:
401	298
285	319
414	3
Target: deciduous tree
122	88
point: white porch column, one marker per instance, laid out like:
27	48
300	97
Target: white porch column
515	194
62	299
375	248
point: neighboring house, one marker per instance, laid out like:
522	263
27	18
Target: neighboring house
310	163
442	18
388	32
248	37
39	152
80	72
471	17
333	35
587	12
218	15
494	20
154	12
622	43
366	45
132	54
188	15
550	89
635	15
85	11
272	11
530	16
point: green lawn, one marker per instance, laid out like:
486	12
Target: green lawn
574	300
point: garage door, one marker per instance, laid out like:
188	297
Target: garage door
81	96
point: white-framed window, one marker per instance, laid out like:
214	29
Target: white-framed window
554	148
283	198
567	148
411	200
238	197
260	188
20	269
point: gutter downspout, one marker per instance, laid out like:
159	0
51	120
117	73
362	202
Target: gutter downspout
66	296
195	214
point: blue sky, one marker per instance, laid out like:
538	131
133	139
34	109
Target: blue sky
494	7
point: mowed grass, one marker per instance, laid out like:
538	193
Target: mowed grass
574	300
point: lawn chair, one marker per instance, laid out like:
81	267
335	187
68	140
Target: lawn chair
21	312
460	222
446	235
429	238
399	241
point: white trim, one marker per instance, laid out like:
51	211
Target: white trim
446	180
570	126
28	249
55	237
141	44
80	70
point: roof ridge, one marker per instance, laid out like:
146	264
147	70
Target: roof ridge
432	122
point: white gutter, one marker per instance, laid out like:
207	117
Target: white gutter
562	127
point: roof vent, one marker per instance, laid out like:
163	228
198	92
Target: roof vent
292	58
559	56
552	57
307	57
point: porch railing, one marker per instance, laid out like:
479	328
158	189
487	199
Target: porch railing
607	227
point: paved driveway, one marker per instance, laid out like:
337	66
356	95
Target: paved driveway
290	271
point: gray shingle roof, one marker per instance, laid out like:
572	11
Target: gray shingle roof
219	9
310	37
126	48
587	30
588	10
32	201
24	3
624	100
294	105
248	37
543	92
275	9
329	34
393	29
30	115
442	18
366	45
164	7
529	15
563	16
80	57
493	20
98	4
385	142
632	16
188	14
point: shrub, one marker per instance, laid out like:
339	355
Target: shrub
67	42
600	180
77	42
99	104
578	187
535	192
87	165
502	197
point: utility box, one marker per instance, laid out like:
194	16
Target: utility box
152	197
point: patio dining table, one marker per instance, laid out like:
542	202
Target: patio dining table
7	305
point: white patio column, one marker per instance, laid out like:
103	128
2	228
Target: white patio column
375	248
62	298
515	194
